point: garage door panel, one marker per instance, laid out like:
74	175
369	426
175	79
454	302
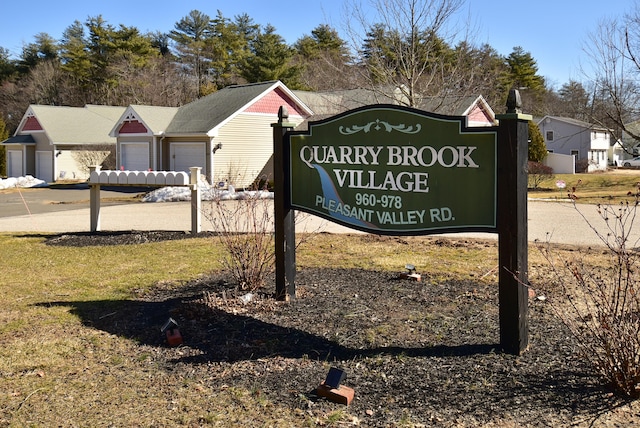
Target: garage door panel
14	167
186	155
44	166
135	156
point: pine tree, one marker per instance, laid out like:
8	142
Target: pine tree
523	71
271	59
190	35
537	146
7	66
4	134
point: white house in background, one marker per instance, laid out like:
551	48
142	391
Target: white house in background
48	137
588	143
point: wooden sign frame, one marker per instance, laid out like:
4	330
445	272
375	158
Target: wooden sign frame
510	208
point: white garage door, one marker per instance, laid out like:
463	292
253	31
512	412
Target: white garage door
134	156
186	155
44	166
14	167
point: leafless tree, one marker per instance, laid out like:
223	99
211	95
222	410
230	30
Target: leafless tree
45	83
156	83
407	47
613	50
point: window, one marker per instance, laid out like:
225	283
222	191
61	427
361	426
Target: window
576	153
549	135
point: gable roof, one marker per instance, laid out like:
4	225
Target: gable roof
334	102
73	125
206	114
155	119
574	122
455	105
328	103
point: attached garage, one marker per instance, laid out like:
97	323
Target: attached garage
185	155
14	164
135	156
44	166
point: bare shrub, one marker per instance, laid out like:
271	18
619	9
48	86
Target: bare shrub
103	155
600	305
582	166
245	228
537	173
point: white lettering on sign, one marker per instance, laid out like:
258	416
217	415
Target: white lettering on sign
426	156
344	155
346	210
401	217
400	182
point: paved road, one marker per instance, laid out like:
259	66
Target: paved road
62	210
18	202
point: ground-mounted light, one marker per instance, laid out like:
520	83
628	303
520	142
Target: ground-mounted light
410	273
172	333
332	389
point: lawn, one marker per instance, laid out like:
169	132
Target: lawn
594	188
80	347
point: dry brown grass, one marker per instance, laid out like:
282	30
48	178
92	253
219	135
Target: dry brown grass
57	370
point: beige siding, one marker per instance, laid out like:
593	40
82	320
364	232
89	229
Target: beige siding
73	164
247	146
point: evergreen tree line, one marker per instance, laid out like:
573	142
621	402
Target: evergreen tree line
95	62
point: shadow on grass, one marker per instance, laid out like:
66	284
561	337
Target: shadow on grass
224	336
476	379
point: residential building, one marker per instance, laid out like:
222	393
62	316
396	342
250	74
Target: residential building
51	141
587	143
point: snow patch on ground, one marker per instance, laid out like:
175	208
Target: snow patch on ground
163	194
208	193
26	181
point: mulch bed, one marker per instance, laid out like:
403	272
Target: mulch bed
420	353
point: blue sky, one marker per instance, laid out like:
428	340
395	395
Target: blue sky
553	31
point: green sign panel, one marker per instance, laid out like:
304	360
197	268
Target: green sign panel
394	170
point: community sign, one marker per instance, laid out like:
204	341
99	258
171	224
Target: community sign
398	171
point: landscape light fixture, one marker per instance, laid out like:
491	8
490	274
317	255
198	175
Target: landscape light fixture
335	377
332	390
170	330
410	273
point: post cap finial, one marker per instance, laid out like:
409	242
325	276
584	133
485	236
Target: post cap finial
283	113
514	102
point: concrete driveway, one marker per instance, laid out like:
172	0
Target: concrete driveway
65	209
62	197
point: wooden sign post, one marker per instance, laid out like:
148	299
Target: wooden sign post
513	143
284	227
